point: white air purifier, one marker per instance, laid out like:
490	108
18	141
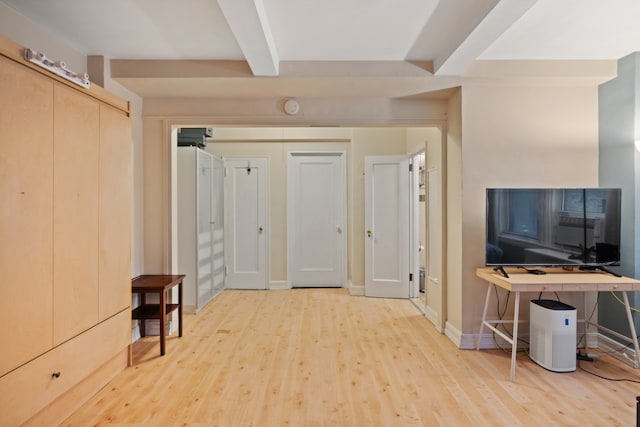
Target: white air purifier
552	335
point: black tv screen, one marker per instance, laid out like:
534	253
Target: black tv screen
553	227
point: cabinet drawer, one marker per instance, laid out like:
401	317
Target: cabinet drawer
32	386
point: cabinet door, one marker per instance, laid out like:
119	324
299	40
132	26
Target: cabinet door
206	222
115	212
75	213
26	194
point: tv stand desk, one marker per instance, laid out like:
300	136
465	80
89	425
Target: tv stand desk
556	280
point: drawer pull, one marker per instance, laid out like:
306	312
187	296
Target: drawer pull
56	374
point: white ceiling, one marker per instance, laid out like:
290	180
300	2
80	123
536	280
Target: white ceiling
403	47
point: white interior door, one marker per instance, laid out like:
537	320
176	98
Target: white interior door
316	219
245	223
387	226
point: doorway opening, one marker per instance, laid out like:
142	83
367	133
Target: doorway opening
274	144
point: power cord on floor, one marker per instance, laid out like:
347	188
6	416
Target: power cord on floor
607	378
579	356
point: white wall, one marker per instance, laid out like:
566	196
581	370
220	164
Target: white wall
620	168
30	34
517	136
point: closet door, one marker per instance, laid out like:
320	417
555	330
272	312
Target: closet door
26	192
75	213
114	276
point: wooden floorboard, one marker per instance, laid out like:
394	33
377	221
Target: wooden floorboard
320	357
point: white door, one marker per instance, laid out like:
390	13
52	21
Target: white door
245	223
387	226
316	219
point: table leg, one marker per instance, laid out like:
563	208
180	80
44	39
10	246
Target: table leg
632	328
180	285
484	316
163	320
143	329
584	323
514	344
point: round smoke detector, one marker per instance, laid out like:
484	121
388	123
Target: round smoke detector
291	107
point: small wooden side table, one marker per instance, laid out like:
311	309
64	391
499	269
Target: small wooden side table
159	284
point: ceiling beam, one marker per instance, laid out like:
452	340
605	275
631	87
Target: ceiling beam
250	26
496	22
158	68
458	31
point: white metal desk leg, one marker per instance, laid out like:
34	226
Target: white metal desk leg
484	316
514	344
632	328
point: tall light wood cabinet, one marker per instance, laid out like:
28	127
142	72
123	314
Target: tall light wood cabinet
65	230
114	267
76	130
26	223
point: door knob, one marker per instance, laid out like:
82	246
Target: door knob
369	233
260	229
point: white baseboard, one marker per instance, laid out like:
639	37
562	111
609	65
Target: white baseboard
356	290
278	285
189	309
616	349
432	315
135	331
453	334
487	341
152	327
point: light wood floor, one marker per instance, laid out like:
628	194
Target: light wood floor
320	357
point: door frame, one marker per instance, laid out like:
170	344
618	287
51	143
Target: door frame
163	257
414	218
342	154
415	253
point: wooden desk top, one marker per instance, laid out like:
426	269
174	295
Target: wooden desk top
557	279
155	282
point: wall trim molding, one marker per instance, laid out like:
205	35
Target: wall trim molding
432	315
278	285
355	290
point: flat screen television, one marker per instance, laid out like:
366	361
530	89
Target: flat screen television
553	227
